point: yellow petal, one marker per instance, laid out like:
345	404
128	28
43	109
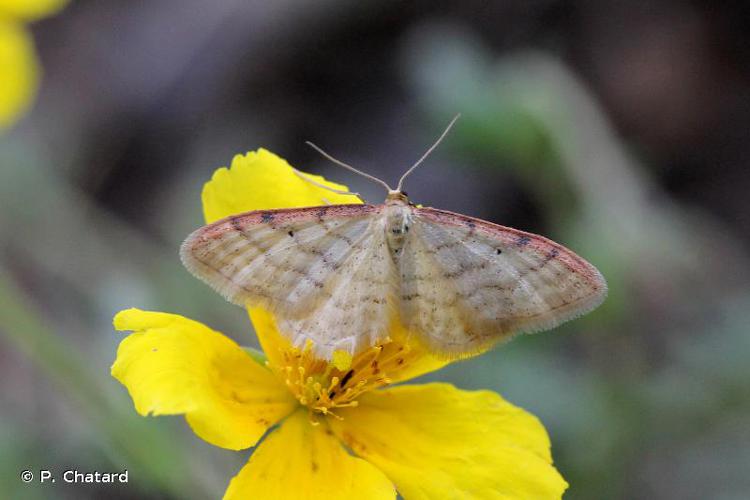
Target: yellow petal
260	180
19	72
417	360
300	461
29	10
173	365
436	441
271	340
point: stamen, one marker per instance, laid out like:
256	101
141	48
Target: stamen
349	404
375	351
323	386
347	377
337	417
312	418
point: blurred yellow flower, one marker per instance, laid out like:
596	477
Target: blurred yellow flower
19	68
336	435
30	10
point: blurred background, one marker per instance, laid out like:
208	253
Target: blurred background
618	128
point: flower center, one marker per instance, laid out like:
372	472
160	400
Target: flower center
323	385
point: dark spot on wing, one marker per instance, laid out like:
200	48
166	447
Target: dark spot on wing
266	217
290	233
499	251
551	255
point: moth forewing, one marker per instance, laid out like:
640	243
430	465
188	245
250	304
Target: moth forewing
324	271
467	284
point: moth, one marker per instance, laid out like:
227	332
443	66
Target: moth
336	276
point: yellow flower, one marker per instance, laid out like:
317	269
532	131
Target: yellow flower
341	433
19	68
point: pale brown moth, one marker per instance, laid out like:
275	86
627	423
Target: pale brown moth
337	276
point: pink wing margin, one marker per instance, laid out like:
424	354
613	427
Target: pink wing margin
276	217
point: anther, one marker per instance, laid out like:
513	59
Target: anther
347	377
334	383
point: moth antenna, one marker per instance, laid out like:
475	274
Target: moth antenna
320	185
427	153
348	167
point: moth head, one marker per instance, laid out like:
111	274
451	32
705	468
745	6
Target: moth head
396	196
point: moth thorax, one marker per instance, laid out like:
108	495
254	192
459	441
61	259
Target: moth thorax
397	225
